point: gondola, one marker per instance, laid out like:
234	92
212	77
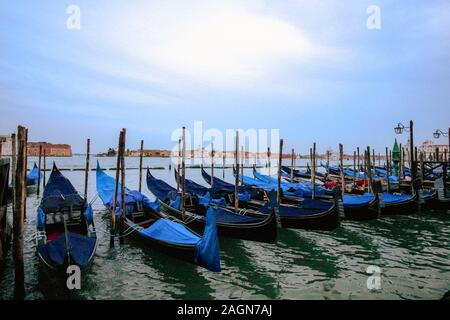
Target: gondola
356	207
65	227
440	204
302	213
360	207
144	221
242	225
33	176
300	174
398	204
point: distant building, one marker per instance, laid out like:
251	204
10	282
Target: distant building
50	150
149	153
5	145
428	147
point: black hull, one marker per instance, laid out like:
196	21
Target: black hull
363	213
264	231
326	221
182	252
402	208
440	205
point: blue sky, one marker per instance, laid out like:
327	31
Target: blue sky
310	68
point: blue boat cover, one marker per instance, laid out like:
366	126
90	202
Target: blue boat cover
351	173
193	187
307	207
206	200
291	188
355	201
227	216
176	204
218	184
170	231
33	176
396	197
89	213
332	169
59	193
81	249
286	189
105	188
40	219
159	188
207	250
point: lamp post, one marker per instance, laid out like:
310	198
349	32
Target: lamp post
438	133
399	130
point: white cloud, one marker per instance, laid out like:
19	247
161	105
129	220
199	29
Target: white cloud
219	43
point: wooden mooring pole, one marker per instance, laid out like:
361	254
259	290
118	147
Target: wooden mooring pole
388	167
44	182
13	168
183	169
116	190
141	156
86	170
370	165
212	165
38	189
358	164
179	167
280	157
19	213
122	189
341	163
313	173
25	172
242	165
292	164
236	181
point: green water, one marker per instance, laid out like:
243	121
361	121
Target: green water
412	252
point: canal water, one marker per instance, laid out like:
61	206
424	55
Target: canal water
412	252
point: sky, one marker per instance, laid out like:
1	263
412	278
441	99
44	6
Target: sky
312	69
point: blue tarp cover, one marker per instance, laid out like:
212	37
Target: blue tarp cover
33	176
193	187
81	248
307	207
206	200
395	197
207	251
59	193
170	231
351	201
105	190
159	188
293	188
227	216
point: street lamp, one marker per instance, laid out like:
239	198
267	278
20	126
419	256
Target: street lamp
399	130
438	133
